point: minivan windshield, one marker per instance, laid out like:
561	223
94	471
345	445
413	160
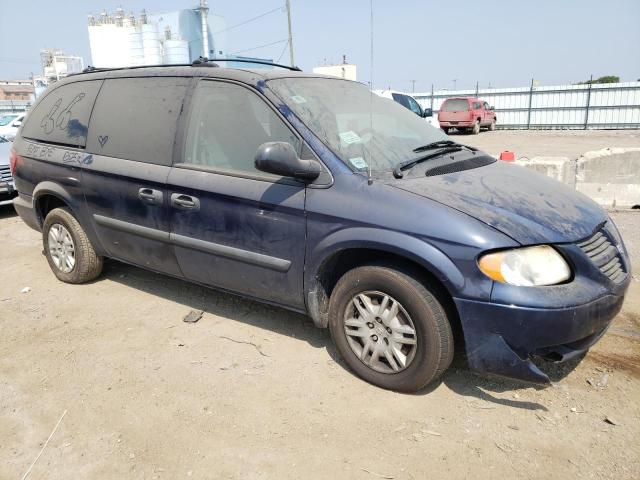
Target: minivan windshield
360	127
455	106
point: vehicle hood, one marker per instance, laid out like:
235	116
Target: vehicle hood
529	207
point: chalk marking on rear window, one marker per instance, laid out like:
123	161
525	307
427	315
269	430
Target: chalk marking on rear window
299	99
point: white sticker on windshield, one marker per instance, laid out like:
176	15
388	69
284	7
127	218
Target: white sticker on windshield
299	99
359	163
349	137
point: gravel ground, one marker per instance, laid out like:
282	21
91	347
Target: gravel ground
552	143
252	391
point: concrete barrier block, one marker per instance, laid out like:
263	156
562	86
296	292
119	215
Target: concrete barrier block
610	176
555	167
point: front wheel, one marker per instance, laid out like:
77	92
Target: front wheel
492	125
391	330
68	249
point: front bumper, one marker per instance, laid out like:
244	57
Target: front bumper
501	339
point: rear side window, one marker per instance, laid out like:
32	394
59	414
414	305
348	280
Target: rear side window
455	106
477	106
136	118
62	116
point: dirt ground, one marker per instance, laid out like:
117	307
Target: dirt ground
553	143
256	392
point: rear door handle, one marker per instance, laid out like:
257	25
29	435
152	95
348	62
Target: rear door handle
184	202
150	196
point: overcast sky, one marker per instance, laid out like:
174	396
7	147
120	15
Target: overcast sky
499	42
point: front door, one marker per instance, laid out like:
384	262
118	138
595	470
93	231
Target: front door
233	226
130	146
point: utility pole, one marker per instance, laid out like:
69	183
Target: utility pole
288	5
455	80
413	86
204	11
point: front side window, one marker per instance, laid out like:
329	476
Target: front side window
415	108
62	116
361	128
228	123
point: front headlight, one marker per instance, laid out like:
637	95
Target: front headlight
526	267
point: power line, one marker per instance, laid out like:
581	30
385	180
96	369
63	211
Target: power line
248	21
283	50
260	46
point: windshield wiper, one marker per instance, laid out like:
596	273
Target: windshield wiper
398	170
441	144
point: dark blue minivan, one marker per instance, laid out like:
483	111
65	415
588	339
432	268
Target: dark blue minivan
311	193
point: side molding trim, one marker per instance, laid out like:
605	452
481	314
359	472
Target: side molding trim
253	258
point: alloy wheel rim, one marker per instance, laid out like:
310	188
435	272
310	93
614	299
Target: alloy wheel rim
61	248
380	332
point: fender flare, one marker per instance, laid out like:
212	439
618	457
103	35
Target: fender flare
55	189
419	251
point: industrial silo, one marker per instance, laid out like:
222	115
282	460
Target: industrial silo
176	51
151	44
136	46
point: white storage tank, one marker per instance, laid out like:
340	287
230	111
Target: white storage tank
151	44
136	48
176	51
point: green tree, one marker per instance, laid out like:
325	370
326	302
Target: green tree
605	79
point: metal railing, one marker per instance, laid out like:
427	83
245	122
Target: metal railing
582	106
14	106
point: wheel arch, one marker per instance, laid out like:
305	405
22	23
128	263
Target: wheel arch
409	254
49	195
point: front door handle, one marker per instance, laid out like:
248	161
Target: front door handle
150	196
185	202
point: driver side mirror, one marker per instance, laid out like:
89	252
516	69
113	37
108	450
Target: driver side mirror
491	108
280	158
427	112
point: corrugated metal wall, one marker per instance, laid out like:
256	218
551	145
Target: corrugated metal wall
598	106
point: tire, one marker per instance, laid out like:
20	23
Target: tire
476	128
87	265
445	130
492	125
427	358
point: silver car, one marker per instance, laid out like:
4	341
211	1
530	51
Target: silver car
7	188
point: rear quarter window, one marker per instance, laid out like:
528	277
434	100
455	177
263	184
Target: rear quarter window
455	106
136	118
62	116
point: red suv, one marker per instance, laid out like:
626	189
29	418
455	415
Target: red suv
466	113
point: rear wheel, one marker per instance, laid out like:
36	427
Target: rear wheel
68	249
445	130
476	128
390	329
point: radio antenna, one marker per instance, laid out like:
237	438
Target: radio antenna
370	179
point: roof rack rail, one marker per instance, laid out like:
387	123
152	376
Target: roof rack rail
199	62
91	68
203	61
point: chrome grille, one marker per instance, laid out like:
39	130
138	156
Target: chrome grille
604	255
5	174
